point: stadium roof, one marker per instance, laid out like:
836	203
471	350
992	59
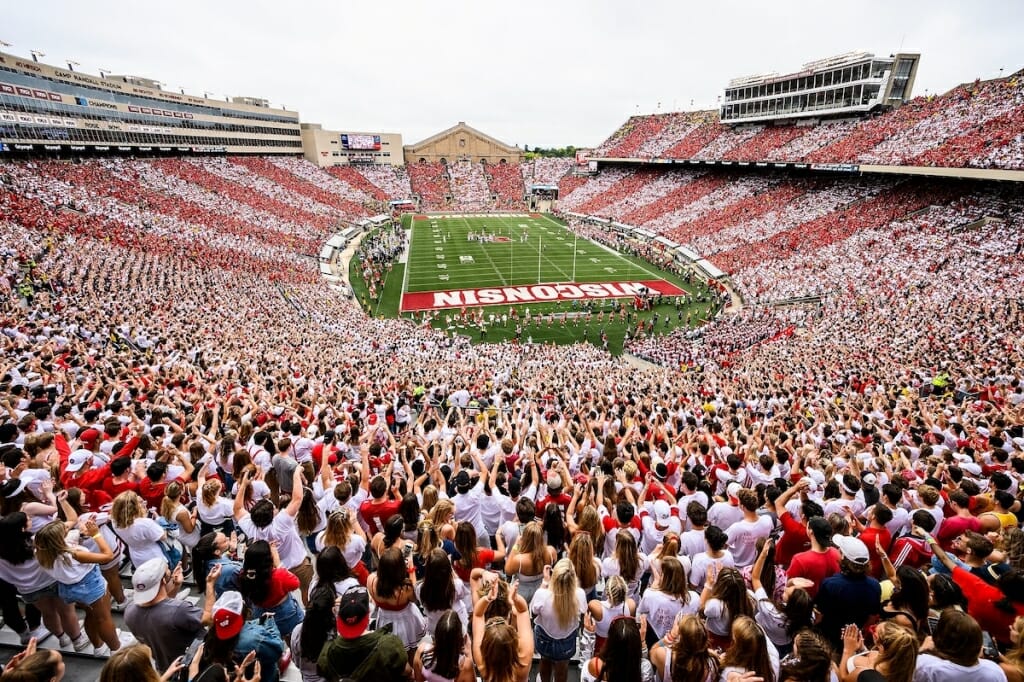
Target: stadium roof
461	125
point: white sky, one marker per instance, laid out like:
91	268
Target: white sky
542	73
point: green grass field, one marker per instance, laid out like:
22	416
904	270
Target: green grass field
441	256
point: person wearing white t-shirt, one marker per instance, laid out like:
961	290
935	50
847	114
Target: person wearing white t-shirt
671	598
958	642
655	524
724	514
744	534
263	524
713	559
214	511
557	620
467	501
140	533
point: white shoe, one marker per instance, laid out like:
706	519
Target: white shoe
40	633
65	640
82	643
102	650
118	606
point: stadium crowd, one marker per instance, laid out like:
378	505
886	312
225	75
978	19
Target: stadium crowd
431	181
973	125
382	181
469	187
506	183
825	492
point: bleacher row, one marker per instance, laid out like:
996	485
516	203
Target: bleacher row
243	228
467	185
978	125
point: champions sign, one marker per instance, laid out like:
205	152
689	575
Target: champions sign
534	293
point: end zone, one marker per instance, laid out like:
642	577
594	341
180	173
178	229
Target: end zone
535	293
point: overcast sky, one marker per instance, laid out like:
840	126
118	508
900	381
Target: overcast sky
547	73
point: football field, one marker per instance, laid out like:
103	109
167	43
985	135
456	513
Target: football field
469	260
528	278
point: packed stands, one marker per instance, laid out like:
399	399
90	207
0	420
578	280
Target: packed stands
431	182
911	346
973	125
353	188
574	192
393	181
221	176
506	183
469	186
677	190
545	170
300	184
693	140
628	186
351	176
764	141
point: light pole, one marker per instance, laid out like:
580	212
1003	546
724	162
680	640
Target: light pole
36	54
71	64
103	72
4	43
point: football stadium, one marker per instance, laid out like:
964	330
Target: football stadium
346	391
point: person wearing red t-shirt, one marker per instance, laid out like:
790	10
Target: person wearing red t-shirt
624	518
819	562
557	481
379	508
911	549
994	607
151	488
269	586
83	473
876	534
120	478
472	556
794	537
959	523
326	445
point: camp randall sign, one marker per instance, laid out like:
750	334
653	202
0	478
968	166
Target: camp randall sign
534	293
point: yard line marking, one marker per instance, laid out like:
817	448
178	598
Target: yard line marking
611	251
408	264
504	282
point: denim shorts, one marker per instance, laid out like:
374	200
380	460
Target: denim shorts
50	590
87	591
287	614
554	649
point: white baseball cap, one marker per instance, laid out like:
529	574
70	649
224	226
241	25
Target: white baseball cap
851	548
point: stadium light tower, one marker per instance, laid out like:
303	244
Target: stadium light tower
71	64
103	72
206	94
4	43
36	54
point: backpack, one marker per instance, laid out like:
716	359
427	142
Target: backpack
170	546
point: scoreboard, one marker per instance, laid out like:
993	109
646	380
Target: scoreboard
361	142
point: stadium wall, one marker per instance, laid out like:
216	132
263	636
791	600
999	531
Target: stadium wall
323	147
459	142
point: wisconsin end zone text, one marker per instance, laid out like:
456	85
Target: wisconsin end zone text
460	298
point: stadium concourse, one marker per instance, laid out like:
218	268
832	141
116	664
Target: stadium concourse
838	463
